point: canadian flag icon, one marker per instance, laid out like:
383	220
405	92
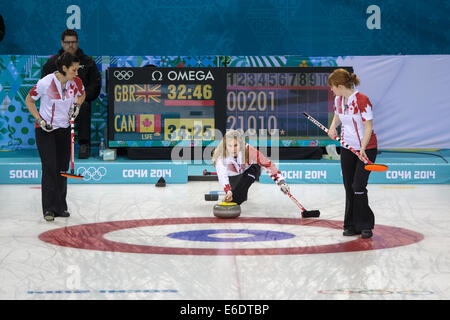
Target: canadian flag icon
148	123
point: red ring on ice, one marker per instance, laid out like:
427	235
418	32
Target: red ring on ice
91	237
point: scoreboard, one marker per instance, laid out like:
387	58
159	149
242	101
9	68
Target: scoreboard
161	107
164	107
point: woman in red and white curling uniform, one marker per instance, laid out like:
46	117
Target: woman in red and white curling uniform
353	111
238	165
57	92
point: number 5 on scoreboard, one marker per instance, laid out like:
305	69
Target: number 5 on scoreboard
208	132
203	129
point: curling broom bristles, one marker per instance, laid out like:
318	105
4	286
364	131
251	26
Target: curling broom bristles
71	175
311	214
375	167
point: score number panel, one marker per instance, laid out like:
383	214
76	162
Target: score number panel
270	101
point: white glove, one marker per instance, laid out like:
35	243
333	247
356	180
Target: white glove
74	111
283	186
43	124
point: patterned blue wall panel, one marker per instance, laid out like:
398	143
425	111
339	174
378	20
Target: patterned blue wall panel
233	27
18	74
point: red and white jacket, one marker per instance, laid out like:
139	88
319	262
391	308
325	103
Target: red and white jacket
353	115
56	101
231	166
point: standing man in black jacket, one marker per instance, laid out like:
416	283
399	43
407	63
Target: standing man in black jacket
91	78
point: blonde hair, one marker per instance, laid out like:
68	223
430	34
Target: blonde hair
343	77
221	149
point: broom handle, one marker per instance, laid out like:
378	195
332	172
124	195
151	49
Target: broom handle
321	126
296	202
290	196
72	145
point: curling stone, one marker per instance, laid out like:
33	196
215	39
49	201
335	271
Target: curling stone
211	197
227	210
161	182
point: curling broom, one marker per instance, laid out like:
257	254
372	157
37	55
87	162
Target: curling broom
369	165
305	213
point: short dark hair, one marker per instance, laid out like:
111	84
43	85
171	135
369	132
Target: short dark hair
69	32
65	59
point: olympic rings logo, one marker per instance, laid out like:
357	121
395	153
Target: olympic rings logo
123	75
92	173
377	292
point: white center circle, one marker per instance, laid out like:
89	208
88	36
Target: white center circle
231	235
157	236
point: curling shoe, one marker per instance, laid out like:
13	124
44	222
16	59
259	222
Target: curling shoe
349	232
49	216
64	214
366	234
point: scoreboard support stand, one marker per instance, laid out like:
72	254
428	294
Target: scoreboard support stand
149	153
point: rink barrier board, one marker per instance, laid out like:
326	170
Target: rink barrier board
397	173
96	171
101	172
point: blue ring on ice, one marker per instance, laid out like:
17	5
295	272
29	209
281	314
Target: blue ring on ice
236	235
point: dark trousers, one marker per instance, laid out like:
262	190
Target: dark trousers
358	215
242	182
83	124
54	150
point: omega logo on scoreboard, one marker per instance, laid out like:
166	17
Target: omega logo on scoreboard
190	75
